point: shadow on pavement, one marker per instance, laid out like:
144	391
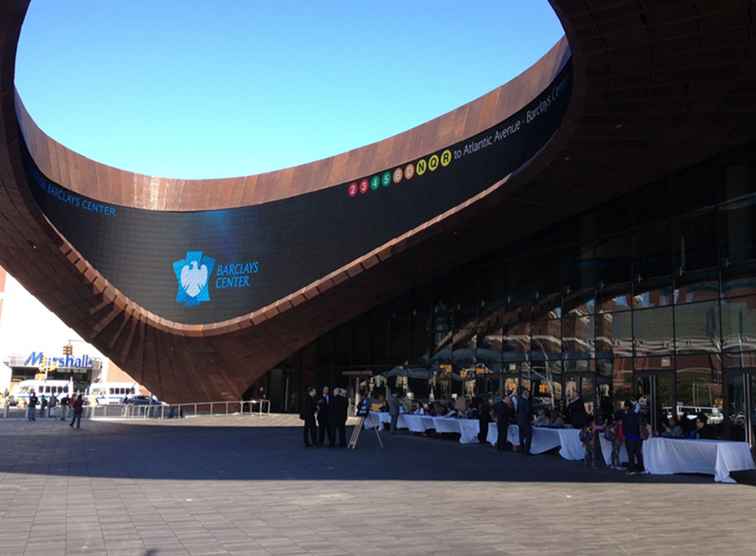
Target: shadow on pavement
276	453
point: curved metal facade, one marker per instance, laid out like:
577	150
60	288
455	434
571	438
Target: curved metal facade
630	106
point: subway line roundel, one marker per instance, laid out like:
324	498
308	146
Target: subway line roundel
208	266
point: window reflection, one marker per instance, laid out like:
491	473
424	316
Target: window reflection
737	224
653	331
515	340
697	327
546	337
615	334
700	291
658	297
620	301
546	384
579	335
738	286
699	390
739	323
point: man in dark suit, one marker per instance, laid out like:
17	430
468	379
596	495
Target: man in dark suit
338	416
484	418
324	406
308	416
576	413
524	421
505	415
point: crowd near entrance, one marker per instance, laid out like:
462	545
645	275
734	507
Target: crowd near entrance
650	297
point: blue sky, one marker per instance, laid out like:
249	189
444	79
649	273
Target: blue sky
195	89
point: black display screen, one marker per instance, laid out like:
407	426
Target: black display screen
208	266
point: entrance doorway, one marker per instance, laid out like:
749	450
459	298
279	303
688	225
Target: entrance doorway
655	392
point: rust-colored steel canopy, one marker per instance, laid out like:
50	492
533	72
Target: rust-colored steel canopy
632	93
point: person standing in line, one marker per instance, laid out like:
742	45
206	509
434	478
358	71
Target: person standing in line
309	408
42	406
51	406
64	402
78	409
324	405
338	416
505	414
524	421
31	409
393	406
484	418
631	426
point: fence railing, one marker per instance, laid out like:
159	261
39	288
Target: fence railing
157	411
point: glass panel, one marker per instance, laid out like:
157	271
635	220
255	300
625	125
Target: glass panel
739	281
510	377
699	240
614	334
525	376
654	297
658	247
697	326
579	340
464	345
699	393
548	307
579	395
655	395
488	351
659	363
579	365
737	407
652	329
547	383
737	226
705	290
739	323
580	306
546	337
515	338
620	301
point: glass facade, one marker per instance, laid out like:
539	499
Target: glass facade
652	294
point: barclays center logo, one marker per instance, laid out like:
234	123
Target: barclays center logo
193	275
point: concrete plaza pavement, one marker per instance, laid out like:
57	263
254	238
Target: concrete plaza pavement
246	485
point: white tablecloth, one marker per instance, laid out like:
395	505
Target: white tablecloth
414	422
606	450
446	425
571	447
376	419
544	439
469	429
665	456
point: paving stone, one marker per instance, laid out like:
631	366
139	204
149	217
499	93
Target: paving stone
240	485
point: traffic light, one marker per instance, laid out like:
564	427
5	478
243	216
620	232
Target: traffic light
67	350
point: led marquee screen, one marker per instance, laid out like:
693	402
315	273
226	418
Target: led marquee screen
208	266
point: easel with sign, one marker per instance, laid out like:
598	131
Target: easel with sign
362	412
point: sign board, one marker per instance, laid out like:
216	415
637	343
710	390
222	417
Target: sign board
198	267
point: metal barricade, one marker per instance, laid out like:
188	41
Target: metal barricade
257	408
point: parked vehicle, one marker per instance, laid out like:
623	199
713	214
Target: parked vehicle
45	388
143	400
112	393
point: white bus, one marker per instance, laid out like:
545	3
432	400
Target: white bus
47	388
112	393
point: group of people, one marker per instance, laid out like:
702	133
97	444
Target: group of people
627	427
76	403
325	417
